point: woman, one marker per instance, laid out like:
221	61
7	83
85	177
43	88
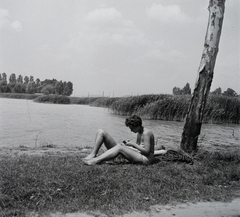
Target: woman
140	152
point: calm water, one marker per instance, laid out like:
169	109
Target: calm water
25	123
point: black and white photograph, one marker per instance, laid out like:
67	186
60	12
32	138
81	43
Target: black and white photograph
119	108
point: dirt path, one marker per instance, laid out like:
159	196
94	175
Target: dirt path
202	209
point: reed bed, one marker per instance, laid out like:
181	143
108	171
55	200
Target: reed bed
62	183
219	109
83	100
55	99
104	102
222	109
132	105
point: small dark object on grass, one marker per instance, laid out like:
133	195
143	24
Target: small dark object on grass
172	155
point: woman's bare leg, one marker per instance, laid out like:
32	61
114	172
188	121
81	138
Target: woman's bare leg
112	153
102	137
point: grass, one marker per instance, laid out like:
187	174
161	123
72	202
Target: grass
62	183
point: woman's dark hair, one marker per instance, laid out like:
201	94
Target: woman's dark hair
133	121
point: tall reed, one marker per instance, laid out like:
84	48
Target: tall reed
131	105
222	109
170	108
105	102
83	100
219	109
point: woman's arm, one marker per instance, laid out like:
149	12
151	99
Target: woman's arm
146	147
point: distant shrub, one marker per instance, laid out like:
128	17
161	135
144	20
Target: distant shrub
45	91
56	99
18	95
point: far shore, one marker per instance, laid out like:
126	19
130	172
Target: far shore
218	110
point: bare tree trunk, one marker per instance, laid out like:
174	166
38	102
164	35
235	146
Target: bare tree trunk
194	117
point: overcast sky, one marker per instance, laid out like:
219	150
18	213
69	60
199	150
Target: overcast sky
121	47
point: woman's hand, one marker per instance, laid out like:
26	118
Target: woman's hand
125	142
131	144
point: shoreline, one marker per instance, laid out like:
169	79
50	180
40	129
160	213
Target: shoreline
23	150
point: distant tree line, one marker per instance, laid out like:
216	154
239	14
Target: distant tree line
187	90
20	84
228	92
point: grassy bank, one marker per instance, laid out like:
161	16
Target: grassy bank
64	184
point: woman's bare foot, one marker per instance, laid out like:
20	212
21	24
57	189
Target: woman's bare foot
90	156
89	162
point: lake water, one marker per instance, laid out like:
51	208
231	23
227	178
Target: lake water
25	123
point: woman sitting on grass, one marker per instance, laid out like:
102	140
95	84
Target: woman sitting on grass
140	152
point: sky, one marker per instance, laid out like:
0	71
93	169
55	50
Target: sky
116	47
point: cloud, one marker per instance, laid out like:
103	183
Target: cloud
105	28
16	25
107	16
162	55
3	13
6	23
167	14
3	17
176	55
155	54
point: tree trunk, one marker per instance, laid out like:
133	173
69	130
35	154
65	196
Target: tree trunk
193	121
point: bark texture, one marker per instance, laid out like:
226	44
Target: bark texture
193	121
